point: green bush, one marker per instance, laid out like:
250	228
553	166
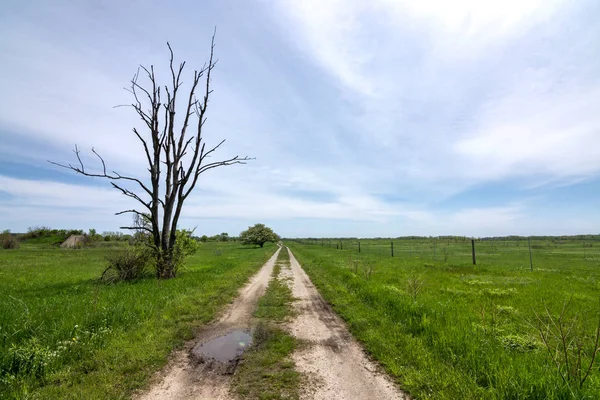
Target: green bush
128	264
8	241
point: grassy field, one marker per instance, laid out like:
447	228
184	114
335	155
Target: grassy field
446	329
64	334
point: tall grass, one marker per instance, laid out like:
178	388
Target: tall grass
65	334
453	330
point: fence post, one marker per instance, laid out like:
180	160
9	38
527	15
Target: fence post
530	257
392	249
473	251
359	247
341	245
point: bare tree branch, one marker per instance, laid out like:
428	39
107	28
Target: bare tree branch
133	228
131	211
166	144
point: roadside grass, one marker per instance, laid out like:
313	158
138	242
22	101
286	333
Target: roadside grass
284	257
266	370
65	334
453	330
276	304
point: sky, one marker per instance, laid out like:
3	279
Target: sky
382	118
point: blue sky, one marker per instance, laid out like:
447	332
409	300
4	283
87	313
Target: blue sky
380	118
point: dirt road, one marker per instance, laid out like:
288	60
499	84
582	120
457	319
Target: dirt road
188	377
336	363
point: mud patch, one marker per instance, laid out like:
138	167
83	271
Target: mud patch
226	348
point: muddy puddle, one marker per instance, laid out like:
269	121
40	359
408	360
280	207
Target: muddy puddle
224	349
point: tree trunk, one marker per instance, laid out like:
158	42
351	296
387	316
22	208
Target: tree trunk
166	267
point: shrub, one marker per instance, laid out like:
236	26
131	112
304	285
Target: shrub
258	234
185	245
570	346
129	264
414	285
8	241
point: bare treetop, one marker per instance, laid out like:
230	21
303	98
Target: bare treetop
166	146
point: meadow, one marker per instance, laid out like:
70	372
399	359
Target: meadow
66	334
444	328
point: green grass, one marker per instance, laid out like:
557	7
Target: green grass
267	371
276	304
284	257
48	240
64	334
447	329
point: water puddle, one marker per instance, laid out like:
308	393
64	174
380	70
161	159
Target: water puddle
226	349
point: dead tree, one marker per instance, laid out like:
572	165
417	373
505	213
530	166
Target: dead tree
175	159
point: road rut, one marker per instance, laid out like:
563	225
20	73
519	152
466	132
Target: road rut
336	362
186	377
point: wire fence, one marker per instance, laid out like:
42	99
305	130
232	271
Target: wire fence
543	252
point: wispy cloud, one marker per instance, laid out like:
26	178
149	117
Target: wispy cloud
365	116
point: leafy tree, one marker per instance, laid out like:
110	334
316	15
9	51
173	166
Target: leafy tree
258	234
175	151
204	238
93	235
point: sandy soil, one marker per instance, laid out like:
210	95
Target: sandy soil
186	376
334	362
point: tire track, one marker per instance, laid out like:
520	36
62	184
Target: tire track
186	376
338	364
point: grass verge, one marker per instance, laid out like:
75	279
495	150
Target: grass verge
64	334
267	371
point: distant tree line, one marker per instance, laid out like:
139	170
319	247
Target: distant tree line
222	237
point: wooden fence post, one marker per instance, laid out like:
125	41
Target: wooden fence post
473	251
392	249
530	257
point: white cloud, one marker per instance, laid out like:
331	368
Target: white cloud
49	194
534	130
421	117
368	112
331	32
244	200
